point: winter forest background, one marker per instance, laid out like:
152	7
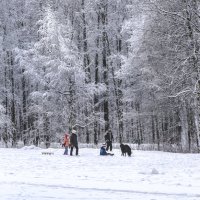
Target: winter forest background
129	65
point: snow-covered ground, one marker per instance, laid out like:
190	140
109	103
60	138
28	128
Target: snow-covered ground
27	174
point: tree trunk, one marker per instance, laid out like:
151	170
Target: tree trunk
96	96
184	128
157	132
153	129
105	66
196	121
118	93
24	109
86	63
5	134
13	114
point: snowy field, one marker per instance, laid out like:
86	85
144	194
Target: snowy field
27	174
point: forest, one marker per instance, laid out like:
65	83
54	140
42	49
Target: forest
131	66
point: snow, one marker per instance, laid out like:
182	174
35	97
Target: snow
27	174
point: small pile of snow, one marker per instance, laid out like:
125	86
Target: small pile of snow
32	147
20	144
154	171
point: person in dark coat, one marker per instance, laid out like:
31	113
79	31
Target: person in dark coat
103	151
73	142
108	140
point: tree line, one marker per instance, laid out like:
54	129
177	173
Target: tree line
131	66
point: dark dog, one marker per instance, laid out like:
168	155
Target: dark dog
125	149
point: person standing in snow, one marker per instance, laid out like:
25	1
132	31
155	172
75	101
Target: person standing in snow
108	140
66	143
103	151
74	142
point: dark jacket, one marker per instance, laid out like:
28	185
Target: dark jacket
73	140
109	136
103	151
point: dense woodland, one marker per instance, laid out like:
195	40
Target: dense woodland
131	66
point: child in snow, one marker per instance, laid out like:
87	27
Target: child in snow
66	143
103	151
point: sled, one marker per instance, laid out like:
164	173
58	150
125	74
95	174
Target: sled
47	153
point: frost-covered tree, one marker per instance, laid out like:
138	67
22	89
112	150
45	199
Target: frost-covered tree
130	66
164	76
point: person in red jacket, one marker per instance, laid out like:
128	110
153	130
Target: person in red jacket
66	143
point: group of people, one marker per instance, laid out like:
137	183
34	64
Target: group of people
71	141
